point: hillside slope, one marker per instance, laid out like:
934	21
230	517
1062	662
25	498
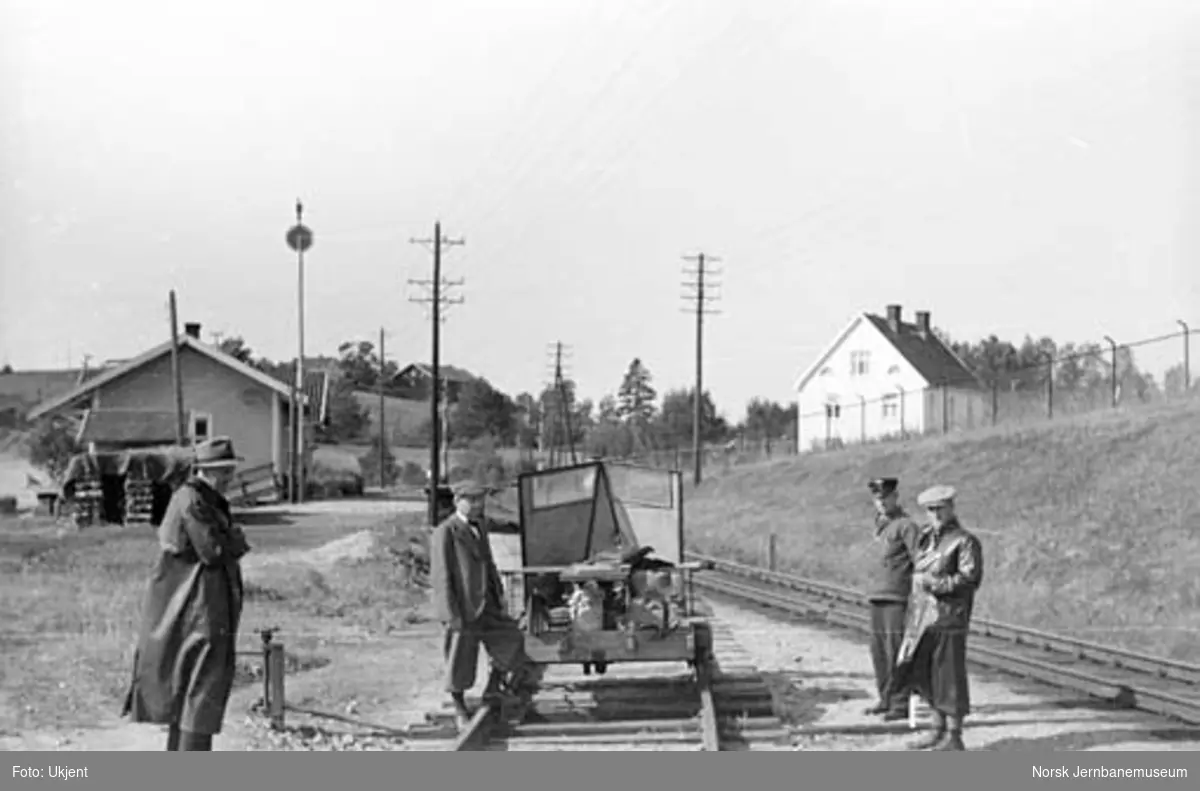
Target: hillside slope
1090	526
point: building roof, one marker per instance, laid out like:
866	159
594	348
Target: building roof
448	373
33	387
185	341
928	356
127	427
932	359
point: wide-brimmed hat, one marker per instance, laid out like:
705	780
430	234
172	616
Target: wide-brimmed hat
216	452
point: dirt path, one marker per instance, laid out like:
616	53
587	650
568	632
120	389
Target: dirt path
823	680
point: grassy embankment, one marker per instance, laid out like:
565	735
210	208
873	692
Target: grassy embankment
71	605
1089	524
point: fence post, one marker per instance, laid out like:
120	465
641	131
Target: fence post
995	400
1113	344
1187	357
862	419
772	561
1050	386
275	673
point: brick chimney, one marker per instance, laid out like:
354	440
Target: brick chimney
192	329
923	324
893	318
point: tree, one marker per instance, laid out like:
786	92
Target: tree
767	421
635	398
358	361
550	408
1173	384
347	417
483	411
235	346
52	444
529	420
675	418
7	369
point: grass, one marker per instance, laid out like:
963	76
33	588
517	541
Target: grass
1089	525
72	599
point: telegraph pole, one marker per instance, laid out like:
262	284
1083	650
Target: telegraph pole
382	430
563	419
699	299
300	238
436	301
176	375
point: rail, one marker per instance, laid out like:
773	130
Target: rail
1126	678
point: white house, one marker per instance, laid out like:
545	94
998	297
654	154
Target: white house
882	377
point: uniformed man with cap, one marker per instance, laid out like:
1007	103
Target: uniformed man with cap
891	582
468	597
947	572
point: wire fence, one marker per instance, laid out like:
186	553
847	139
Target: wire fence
1091	379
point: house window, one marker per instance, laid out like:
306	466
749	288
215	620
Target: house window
891	406
201	427
833	410
859	363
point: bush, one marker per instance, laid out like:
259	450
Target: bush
370	464
412	474
52	445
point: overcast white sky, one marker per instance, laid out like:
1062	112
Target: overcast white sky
1011	167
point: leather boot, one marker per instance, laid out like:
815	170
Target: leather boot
952	741
494	691
935	736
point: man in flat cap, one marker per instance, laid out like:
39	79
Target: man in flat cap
933	656
469	599
891	582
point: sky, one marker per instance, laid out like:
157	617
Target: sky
1012	167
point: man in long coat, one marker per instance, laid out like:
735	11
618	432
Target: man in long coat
933	656
891	582
184	664
469	600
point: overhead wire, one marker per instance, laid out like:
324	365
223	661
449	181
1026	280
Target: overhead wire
537	150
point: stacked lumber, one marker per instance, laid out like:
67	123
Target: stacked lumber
89	501
139	501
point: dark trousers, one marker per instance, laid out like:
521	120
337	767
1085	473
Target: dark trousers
499	634
887	632
187	741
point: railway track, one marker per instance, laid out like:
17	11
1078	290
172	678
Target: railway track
722	705
1123	678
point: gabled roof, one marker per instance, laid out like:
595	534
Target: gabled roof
185	341
127	426
448	373
934	361
811	371
33	387
929	357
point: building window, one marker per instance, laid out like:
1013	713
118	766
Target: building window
891	406
833	410
894	370
859	363
201	427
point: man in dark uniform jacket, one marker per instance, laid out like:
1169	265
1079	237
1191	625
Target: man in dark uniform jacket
888	592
